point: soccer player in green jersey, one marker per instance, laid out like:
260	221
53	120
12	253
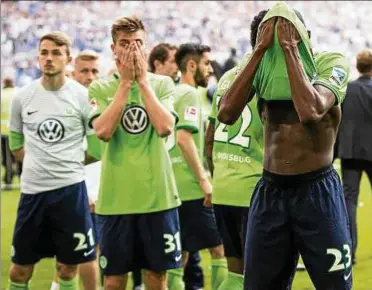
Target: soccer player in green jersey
198	226
132	111
235	158
298	204
162	61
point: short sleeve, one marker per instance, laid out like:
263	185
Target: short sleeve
166	95
333	73
16	122
86	110
187	108
97	102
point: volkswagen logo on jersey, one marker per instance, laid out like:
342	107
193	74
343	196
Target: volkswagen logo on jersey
51	130
135	120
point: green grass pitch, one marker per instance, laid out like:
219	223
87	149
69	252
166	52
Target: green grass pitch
362	272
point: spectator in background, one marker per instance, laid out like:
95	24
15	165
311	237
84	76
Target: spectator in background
231	62
355	144
6	156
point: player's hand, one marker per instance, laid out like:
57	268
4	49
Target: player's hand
92	206
206	187
125	63
287	33
140	63
265	36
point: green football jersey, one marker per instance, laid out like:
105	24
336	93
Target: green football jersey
137	174
237	150
188	106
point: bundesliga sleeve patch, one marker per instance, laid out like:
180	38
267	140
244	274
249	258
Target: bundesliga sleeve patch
191	114
338	76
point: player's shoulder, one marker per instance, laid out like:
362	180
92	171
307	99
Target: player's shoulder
26	91
76	87
159	81
184	90
330	58
103	84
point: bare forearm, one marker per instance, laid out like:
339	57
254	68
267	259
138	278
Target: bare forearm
190	153
162	120
105	125
236	97
209	138
305	98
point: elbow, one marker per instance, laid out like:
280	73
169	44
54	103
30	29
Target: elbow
166	129
165	132
225	117
103	135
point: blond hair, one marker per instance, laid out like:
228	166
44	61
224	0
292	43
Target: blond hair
364	61
59	38
127	24
87	55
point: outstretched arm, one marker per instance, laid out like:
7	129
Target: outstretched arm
239	94
311	102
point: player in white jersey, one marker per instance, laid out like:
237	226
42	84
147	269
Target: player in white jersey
49	120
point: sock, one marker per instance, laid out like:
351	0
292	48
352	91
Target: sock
17	286
219	272
68	285
54	286
233	281
175	279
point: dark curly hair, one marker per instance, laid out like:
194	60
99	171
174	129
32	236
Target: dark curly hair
257	20
254	26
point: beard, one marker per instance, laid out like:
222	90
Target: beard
200	80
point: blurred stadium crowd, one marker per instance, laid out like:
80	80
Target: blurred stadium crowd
335	26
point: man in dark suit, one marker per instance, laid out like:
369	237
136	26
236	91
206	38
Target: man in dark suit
355	138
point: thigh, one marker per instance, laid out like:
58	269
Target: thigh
269	249
70	218
31	237
229	221
198	226
158	243
322	233
116	243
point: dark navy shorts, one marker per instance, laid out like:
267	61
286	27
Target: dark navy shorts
96	227
232	224
198	226
54	223
149	241
295	214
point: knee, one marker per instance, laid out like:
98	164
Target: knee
20	274
158	277
112	283
217	252
66	272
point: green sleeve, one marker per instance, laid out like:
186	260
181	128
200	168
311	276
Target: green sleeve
94	146
334	74
166	95
97	100
187	108
16	140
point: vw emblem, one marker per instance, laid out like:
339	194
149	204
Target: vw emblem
135	120
51	130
